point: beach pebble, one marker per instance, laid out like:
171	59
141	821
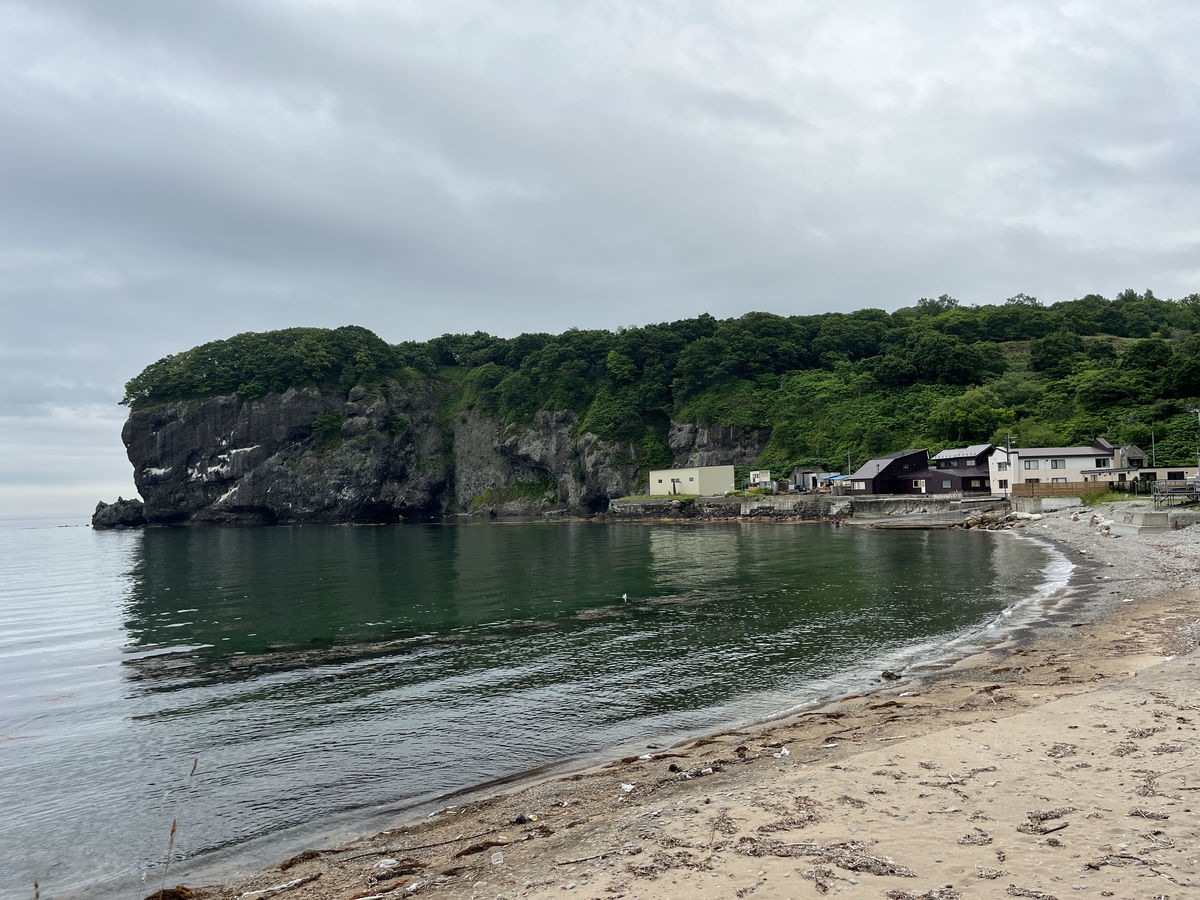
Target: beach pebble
387	863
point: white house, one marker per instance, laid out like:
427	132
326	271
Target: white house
1100	461
707	481
760	477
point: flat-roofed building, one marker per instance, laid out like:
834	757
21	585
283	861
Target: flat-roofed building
706	481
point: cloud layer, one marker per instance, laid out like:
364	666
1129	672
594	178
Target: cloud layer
175	173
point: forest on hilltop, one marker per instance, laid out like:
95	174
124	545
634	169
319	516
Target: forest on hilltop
829	387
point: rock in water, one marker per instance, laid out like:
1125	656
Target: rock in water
122	514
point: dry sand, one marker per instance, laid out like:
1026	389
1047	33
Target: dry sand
1061	765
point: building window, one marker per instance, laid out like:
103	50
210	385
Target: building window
690	478
660	481
1003	484
1175	476
1033	481
1103	462
1001	467
976	482
1058	480
916	484
1137	462
946	483
1058	463
1030	463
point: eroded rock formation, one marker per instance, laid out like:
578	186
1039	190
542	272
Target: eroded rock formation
391	453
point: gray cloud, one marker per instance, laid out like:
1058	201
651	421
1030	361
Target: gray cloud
175	173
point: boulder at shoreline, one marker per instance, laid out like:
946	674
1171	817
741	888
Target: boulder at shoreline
122	514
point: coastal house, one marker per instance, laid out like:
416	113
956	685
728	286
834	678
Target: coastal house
707	481
760	478
962	470
892	474
958	471
807	478
1099	461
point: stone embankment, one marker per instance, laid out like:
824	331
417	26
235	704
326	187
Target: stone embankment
795	507
881	512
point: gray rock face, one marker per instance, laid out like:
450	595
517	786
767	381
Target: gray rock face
382	455
715	445
535	470
301	456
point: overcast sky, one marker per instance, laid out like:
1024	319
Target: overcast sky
175	172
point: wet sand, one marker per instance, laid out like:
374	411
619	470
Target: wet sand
1064	763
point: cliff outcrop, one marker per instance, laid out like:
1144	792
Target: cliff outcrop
307	455
387	454
397	451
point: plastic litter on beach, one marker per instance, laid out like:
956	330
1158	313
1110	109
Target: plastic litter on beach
828	746
646	756
627	788
497	858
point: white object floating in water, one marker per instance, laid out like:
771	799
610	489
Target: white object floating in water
627	788
625	597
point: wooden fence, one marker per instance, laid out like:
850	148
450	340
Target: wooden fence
1061	489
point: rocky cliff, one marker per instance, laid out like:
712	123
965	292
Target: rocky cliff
390	453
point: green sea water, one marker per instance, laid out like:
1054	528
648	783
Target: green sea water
330	680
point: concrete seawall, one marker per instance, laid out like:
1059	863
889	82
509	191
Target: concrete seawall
924	511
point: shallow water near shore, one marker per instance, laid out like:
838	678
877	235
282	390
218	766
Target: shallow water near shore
329	678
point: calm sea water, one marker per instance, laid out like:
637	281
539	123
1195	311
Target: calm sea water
326	680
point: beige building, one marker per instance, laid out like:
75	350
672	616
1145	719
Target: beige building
707	481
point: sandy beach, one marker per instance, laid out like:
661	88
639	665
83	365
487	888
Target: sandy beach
1063	763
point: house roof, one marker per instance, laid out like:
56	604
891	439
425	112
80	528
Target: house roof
1060	451
874	466
963	452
